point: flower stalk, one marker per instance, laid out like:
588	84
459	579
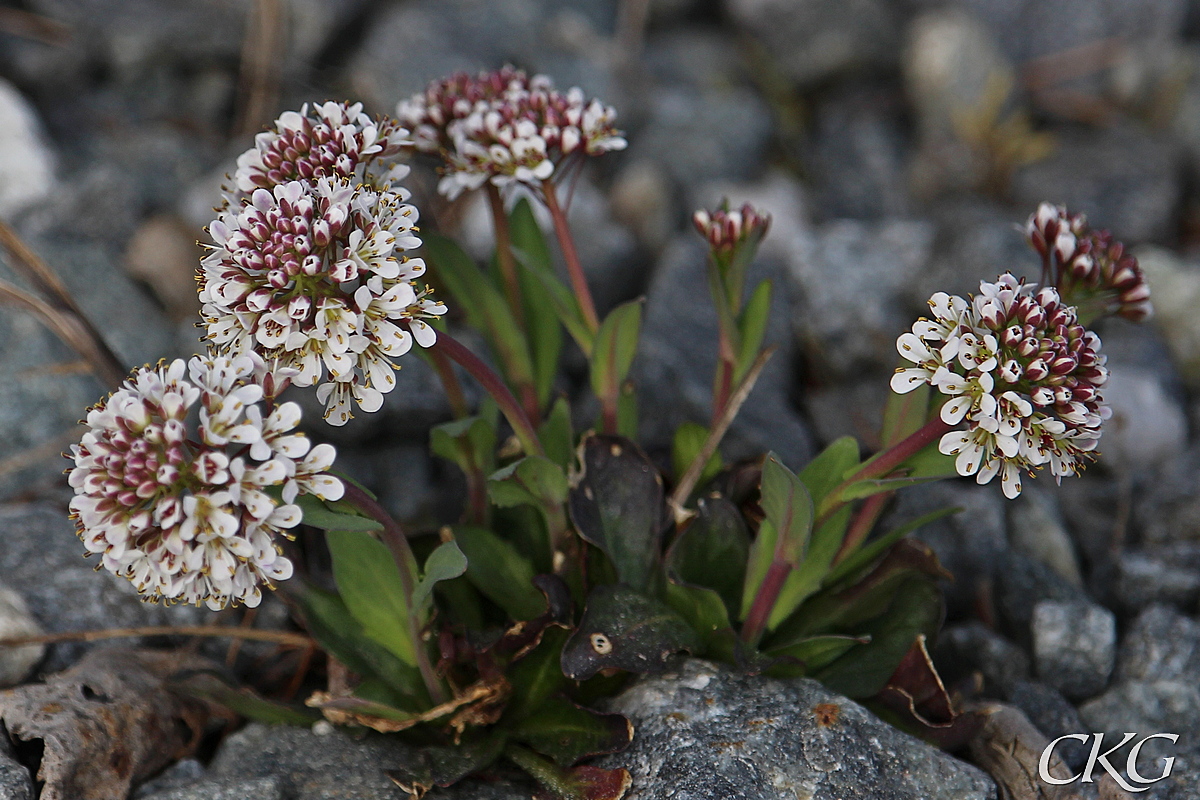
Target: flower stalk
493	385
583	295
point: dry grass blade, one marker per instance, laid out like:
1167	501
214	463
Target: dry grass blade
59	309
28	25
262	53
71	329
688	482
284	638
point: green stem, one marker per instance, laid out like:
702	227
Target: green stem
545	772
883	464
491	382
574	269
396	540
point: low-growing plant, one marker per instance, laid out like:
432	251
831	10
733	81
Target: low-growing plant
577	560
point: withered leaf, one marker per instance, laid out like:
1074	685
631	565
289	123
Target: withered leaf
106	722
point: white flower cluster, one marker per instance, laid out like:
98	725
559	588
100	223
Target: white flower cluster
183	482
1090	268
336	140
1022	372
311	273
506	127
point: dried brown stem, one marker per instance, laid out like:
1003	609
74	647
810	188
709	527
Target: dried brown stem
687	483
262	54
283	638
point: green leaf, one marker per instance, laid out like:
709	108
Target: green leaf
533	480
242	700
624	629
569	733
370	585
320	514
845	608
541	320
486	309
469	442
537	675
617	505
713	549
615	347
904	414
752	328
340	634
689	439
805	580
558	435
873	550
786	502
445	563
916	608
500	572
823	474
627	411
806	655
784	534
533	254
707	614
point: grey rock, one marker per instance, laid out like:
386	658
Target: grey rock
858	154
968	544
1036	529
850	280
677	354
1155	576
1167	509
15	781
852	408
15	620
976	241
1053	715
1148	425
40	404
1020	584
1124	178
130	35
42	559
309	766
1146	707
181	773
410	44
269	788
701	135
1175	288
696	57
1074	646
1161	644
972	647
27	163
814	40
953	69
705	731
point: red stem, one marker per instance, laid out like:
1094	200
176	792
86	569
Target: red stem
491	382
864	520
883	464
574	269
504	254
764	602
